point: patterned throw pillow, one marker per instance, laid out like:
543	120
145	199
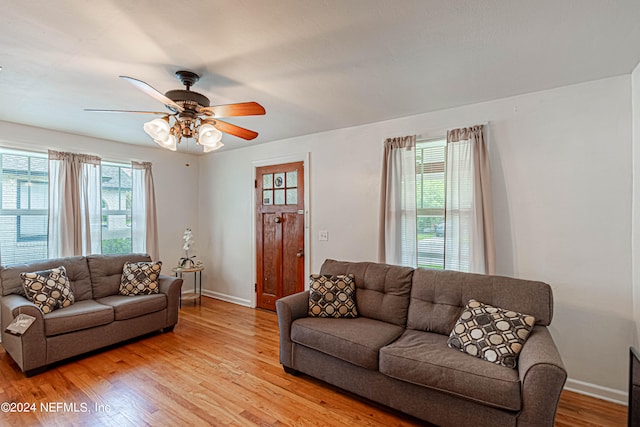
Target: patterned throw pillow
48	289
490	333
140	278
332	296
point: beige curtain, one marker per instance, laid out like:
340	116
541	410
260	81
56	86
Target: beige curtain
398	239
469	241
74	204
144	224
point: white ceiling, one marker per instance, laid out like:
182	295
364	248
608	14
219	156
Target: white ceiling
315	65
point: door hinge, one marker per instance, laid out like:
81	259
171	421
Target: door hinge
255	287
255	183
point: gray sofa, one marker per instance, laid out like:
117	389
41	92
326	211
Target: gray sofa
98	318
395	353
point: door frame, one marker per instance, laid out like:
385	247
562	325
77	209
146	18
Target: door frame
298	157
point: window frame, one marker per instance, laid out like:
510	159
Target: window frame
423	169
22	179
20	211
121	196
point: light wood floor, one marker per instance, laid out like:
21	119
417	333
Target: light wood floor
219	367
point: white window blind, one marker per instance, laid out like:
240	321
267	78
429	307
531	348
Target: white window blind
430	201
23	209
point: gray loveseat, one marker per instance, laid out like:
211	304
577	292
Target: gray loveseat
396	352
98	318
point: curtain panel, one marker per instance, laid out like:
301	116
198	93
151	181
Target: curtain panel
398	234
74	205
144	224
469	240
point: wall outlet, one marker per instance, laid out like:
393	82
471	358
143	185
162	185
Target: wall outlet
323	236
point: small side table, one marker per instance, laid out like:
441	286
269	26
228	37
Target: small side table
196	295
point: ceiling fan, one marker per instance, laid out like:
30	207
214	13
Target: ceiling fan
190	115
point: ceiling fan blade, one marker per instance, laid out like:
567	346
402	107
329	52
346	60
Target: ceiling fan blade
230	110
94	110
235	130
152	92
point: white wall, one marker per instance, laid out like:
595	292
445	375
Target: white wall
635	109
176	185
562	179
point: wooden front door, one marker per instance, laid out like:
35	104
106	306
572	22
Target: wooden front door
279	232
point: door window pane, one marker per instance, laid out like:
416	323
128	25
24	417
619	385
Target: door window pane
278	197
292	179
278	180
292	196
267	181
267	197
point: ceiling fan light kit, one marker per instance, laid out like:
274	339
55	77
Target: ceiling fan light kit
191	116
208	135
213	147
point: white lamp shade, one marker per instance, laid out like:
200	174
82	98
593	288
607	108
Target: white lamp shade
209	148
209	135
158	129
170	142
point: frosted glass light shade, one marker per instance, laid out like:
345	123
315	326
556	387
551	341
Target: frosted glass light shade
158	129
208	135
209	148
170	142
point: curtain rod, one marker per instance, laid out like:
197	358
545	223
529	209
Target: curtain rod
5	145
437	134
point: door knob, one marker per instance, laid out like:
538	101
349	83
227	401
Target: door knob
278	220
300	253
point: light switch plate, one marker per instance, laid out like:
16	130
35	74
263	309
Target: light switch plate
323	236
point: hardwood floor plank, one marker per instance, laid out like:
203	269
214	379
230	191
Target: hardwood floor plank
218	367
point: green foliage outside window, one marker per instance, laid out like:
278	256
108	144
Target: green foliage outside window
117	246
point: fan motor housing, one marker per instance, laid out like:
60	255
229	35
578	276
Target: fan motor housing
190	101
187	95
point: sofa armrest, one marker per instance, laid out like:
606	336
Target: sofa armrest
171	286
290	308
542	375
30	349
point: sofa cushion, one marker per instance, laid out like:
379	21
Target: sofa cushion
127	307
48	289
423	358
81	315
140	278
438	298
106	272
356	341
332	296
382	291
77	272
491	333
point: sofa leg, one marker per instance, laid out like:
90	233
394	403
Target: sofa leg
36	371
169	329
290	371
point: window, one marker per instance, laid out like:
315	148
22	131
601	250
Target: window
430	202
437	202
24	184
25	232
116	208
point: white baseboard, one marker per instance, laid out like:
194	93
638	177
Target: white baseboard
599	392
227	298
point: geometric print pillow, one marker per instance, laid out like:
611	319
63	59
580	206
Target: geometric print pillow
140	278
490	333
332	296
49	289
